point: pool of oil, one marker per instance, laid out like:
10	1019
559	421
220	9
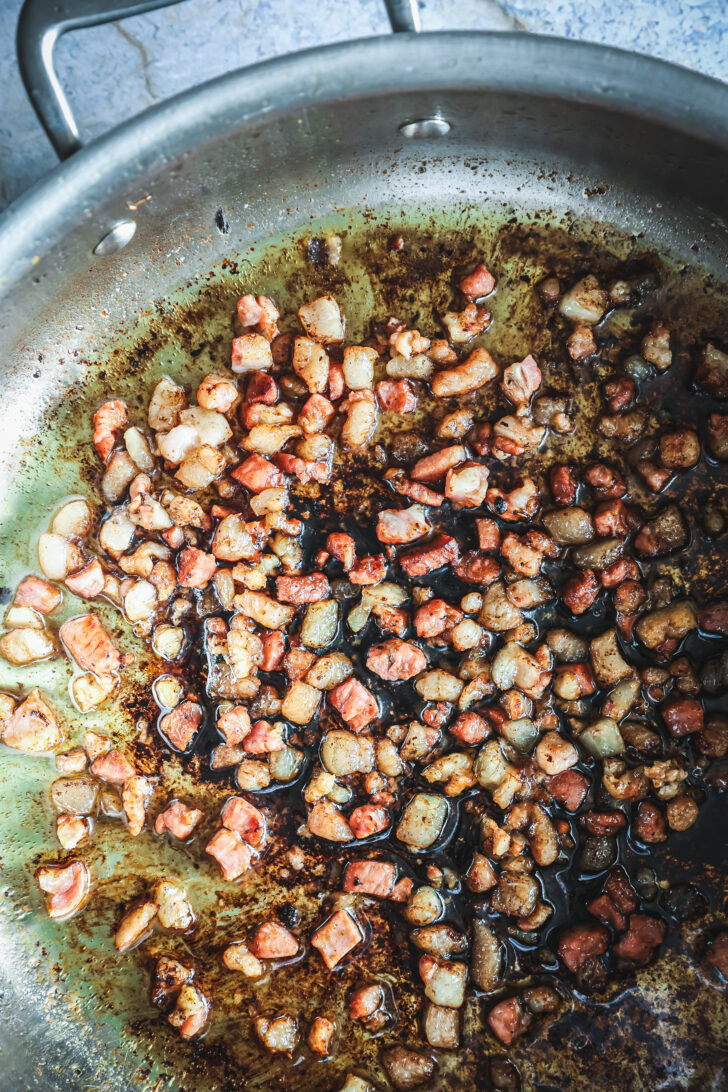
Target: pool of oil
663	1027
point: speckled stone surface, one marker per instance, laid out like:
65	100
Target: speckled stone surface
115	71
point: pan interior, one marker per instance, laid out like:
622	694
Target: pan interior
73	968
535	187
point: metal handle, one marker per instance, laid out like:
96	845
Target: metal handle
43	22
404	15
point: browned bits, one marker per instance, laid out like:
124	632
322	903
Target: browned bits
718	436
649	823
683	716
568	788
717	953
477	284
679	450
619	393
645	933
581	591
681	812
388	579
580	943
563	484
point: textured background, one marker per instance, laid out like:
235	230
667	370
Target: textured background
115	71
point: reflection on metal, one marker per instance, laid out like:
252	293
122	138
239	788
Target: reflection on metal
116	239
425	128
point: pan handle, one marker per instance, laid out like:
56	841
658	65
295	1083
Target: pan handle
42	22
404	15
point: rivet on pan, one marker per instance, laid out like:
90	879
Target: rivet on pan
121	234
425	128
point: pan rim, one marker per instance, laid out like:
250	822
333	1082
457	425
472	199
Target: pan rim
656	91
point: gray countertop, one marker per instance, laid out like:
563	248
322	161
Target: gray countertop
114	71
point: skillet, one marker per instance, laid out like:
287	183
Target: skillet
132	252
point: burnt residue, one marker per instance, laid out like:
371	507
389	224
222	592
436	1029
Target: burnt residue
221	222
658	1027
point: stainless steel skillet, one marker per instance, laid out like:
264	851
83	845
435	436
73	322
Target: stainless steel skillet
413	127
